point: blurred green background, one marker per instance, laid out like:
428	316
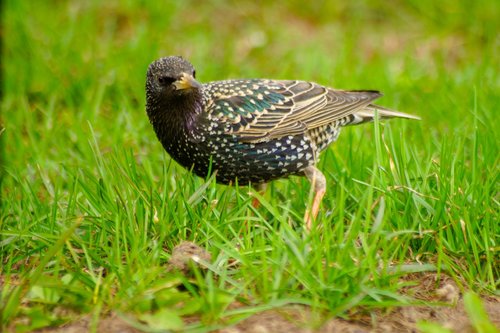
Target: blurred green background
62	57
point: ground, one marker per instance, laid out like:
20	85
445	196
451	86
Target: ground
448	311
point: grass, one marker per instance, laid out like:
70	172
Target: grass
92	207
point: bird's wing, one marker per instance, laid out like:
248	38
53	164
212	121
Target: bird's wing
257	110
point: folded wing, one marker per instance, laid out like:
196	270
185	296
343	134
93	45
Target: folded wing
259	110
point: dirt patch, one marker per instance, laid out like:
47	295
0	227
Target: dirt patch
430	288
402	319
110	324
299	319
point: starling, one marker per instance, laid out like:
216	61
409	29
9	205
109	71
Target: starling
251	130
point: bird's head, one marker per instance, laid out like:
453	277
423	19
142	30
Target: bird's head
171	76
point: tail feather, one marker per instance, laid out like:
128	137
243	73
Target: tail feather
368	114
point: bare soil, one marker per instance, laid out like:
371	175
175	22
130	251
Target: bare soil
299	319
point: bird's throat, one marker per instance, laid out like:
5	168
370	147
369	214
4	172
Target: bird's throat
174	117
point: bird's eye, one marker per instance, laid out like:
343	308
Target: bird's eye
165	80
194	74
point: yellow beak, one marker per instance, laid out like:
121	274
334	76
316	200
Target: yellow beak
187	81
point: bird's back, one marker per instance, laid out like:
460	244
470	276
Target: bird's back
259	110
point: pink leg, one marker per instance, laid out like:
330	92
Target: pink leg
261	188
318	183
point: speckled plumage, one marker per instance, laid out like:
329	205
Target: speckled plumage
253	130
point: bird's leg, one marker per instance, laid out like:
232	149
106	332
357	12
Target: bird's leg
318	183
261	188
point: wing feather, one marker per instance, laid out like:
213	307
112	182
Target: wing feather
258	110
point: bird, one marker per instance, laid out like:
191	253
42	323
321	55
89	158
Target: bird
252	131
